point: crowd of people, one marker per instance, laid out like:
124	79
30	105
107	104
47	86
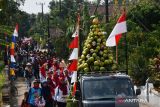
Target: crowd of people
47	79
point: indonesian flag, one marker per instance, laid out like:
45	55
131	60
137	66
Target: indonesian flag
74	77
74	54
16	31
76	33
73	66
74	43
74	80
74	88
42	73
12	58
120	28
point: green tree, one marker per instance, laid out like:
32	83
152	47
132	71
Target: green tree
154	67
142	38
64	16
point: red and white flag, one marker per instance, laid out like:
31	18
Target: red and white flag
120	28
12	58
74	43
73	66
74	57
42	73
16	31
74	80
74	88
74	77
74	54
76	33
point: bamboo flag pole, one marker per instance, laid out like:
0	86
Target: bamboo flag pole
116	8
125	40
117	54
78	25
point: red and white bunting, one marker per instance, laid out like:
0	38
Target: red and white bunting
16	31
74	57
74	88
73	66
74	43
74	77
12	58
42	73
74	54
76	33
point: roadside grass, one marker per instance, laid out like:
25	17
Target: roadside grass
2	80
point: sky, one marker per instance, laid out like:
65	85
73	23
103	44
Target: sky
32	6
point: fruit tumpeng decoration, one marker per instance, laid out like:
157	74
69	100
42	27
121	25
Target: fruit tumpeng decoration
95	55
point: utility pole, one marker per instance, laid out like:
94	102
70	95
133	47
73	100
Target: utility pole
42	4
48	33
107	13
60	5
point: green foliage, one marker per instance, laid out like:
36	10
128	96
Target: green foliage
154	67
2	80
6	29
142	39
2	76
145	13
138	66
64	17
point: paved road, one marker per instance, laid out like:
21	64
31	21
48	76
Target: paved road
153	98
144	105
22	88
16	101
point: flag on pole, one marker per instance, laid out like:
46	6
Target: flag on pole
12	58
74	80
73	66
16	31
120	28
15	34
12	45
42	73
74	57
74	77
74	88
74	54
12	52
76	33
74	43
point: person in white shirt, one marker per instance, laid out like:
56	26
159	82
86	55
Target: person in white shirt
61	92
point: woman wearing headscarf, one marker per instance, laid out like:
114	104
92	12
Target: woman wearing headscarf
61	92
34	94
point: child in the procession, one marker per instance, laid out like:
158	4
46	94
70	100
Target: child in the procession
39	101
28	74
51	84
61	92
24	101
34	93
66	74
